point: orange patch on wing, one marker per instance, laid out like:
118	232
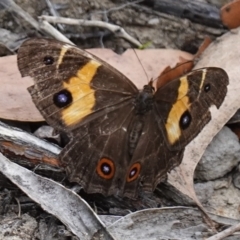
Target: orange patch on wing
107	163
177	110
82	94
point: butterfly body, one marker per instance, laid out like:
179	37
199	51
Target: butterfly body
122	140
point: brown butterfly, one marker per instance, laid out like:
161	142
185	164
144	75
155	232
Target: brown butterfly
122	140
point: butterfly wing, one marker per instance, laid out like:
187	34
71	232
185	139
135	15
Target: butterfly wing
72	87
99	159
183	104
180	111
152	159
104	164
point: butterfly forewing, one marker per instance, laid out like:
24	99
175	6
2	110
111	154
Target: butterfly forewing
71	85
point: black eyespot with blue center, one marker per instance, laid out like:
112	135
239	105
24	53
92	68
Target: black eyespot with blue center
207	87
48	60
62	98
185	120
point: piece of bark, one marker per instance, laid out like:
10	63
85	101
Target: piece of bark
196	11
30	151
230	14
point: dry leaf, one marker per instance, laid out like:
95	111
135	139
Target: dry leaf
230	14
169	74
206	42
182	67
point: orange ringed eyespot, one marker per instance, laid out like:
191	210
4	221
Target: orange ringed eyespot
134	172
105	168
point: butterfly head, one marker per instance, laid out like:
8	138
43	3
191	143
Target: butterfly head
144	100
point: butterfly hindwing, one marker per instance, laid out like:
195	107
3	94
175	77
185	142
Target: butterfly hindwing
99	159
105	145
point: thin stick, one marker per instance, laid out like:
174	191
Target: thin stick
50	30
54	13
19	207
227	232
117	30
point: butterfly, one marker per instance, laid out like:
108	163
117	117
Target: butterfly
122	140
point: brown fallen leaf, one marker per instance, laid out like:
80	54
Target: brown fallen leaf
182	67
169	74
16	103
230	14
206	42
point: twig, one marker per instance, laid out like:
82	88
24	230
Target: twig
117	30
54	13
227	232
19	207
86	36
52	31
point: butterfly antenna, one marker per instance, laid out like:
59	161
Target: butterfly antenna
141	65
